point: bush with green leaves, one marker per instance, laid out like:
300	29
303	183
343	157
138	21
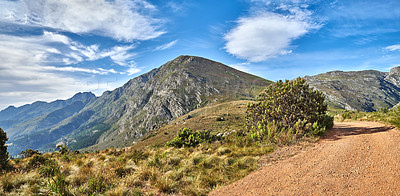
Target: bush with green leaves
29	153
3	151
63	149
187	138
289	108
37	161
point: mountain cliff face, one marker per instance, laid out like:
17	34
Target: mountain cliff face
117	118
359	90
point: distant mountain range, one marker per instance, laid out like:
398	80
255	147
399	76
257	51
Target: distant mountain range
359	90
118	118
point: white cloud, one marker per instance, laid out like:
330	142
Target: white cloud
267	34
120	19
99	71
393	47
166	46
28	72
75	52
120	55
132	71
175	7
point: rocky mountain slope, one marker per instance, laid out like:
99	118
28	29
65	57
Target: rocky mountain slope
117	118
359	90
32	118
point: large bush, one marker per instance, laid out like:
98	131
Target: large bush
290	106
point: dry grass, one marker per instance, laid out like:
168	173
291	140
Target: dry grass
232	114
150	168
187	171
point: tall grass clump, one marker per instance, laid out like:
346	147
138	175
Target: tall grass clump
187	138
56	181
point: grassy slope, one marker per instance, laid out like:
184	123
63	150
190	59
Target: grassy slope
205	118
152	170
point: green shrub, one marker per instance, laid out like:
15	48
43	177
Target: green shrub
37	161
29	153
63	149
188	138
288	109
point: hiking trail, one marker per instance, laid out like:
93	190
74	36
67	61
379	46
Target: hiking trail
354	158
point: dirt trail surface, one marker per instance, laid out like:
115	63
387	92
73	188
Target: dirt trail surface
355	158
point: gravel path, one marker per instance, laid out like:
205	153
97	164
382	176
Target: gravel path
355	158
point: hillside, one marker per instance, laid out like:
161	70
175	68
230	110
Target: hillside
359	90
28	120
218	118
119	117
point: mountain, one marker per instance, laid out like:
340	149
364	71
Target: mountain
29	119
359	90
119	117
22	119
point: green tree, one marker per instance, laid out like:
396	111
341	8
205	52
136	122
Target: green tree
289	105
3	150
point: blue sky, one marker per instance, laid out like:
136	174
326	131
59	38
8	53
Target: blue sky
52	49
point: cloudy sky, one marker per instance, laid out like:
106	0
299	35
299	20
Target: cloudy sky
52	49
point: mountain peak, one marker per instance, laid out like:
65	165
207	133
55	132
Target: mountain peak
183	58
185	61
83	96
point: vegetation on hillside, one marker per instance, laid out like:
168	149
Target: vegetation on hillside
191	161
188	171
388	116
288	110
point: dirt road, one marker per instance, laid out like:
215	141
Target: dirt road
355	158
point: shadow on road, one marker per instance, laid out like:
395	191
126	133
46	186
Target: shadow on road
341	130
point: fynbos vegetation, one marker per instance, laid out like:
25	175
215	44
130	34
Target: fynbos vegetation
288	109
192	163
188	138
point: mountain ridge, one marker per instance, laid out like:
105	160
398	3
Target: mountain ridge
367	90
